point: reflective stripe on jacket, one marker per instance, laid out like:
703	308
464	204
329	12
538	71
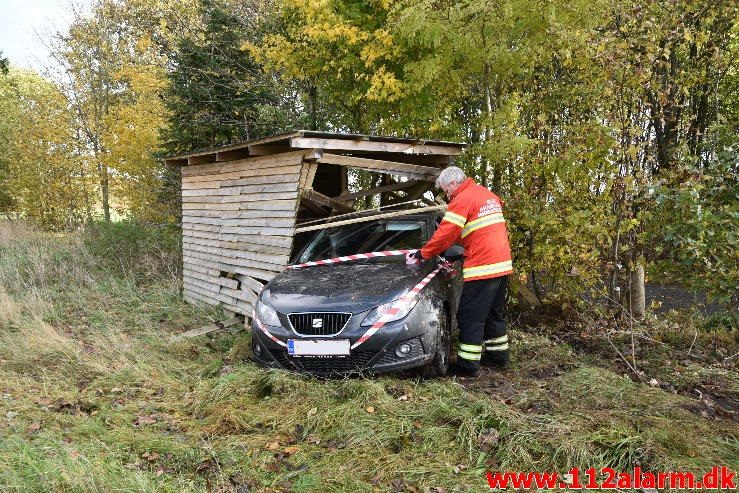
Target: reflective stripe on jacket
474	215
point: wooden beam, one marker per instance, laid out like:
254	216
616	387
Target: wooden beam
206	159
374	146
344	180
524	294
422	159
232	155
425	173
370	218
175	162
266	149
320	199
256	163
313	207
417	191
308	174
385	188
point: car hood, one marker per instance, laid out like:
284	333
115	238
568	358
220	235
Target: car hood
351	288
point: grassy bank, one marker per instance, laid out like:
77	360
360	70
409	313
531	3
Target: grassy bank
93	397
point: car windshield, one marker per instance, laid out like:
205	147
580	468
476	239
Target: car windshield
365	237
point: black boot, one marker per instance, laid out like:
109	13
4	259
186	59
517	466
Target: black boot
495	359
464	371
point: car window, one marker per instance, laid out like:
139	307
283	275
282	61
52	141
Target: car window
363	237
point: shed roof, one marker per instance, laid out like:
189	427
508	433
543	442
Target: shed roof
308	139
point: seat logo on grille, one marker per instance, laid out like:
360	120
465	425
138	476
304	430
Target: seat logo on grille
317	323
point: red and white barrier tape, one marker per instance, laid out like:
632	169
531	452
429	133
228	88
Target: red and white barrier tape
397	305
264	329
349	258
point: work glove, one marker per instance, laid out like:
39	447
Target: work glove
413	258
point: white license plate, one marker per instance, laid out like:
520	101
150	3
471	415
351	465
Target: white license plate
318	347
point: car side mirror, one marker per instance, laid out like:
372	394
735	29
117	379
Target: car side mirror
453	253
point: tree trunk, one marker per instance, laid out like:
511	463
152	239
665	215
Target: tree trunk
614	288
106	192
488	131
637	296
104	182
313	106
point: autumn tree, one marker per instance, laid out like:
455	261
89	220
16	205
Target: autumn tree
45	178
111	67
345	63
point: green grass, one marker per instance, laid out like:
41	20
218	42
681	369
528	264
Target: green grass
93	397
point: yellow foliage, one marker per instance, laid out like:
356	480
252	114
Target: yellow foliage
47	180
326	31
132	136
384	86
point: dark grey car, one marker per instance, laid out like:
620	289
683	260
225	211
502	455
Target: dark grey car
311	318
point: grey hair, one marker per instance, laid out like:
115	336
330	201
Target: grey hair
450	174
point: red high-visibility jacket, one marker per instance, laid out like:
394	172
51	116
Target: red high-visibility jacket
476	215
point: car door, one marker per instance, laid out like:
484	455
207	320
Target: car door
453	284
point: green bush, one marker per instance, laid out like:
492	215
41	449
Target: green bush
691	229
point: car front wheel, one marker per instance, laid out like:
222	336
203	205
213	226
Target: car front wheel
439	365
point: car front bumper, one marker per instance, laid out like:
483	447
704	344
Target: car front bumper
375	355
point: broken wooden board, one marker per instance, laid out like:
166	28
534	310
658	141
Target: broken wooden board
207	329
374	217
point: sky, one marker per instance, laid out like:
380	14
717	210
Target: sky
18	20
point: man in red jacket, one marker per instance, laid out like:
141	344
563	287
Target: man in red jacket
475	214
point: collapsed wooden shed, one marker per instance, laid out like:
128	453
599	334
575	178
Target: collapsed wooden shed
243	204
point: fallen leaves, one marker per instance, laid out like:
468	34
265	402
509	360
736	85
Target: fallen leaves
33	428
313	439
61	405
145	420
291	450
456	469
398	485
150	456
43	401
488	439
206	466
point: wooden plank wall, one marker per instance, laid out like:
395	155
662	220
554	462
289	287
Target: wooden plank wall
238	219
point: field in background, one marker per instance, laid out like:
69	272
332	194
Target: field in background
93	397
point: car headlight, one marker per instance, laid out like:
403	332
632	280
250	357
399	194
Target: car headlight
267	315
381	310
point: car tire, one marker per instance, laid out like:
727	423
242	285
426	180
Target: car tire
439	365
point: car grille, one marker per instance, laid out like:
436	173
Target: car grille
318	324
324	366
